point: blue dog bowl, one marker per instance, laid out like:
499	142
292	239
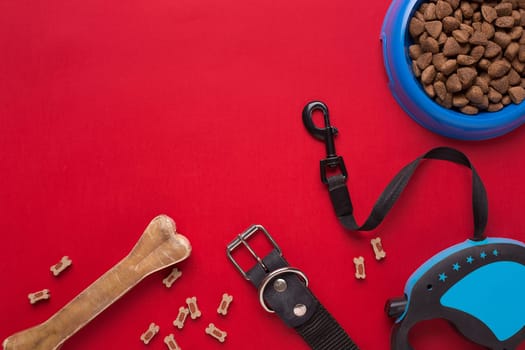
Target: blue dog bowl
409	92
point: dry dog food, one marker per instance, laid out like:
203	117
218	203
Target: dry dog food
181	317
39	296
170	342
172	277
194	309
225	304
216	333
152	330
470	55
378	248
60	266
359	263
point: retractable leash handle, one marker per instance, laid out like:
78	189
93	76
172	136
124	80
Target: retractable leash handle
476	285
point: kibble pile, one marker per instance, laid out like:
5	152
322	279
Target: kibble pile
470	55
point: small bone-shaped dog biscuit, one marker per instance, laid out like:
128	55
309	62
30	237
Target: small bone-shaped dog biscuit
169	340
378	248
360	268
181	317
39	296
172	277
194	309
60	266
225	304
216	333
149	333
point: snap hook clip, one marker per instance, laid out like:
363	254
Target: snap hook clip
326	134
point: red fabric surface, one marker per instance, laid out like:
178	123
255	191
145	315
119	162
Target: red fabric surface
111	113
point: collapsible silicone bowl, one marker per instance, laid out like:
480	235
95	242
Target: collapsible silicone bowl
409	92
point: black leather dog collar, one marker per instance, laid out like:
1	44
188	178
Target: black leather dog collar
284	290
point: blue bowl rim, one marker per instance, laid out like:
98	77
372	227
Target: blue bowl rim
409	93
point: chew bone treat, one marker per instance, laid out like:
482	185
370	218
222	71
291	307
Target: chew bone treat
225	304
172	277
216	333
359	263
169	340
470	55
152	330
160	246
60	266
194	309
378	248
39	296
181	317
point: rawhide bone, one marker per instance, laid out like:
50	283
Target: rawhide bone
159	246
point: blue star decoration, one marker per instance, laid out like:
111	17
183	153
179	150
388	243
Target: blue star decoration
470	259
443	276
456	267
495	252
483	255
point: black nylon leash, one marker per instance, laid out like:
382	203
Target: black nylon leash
340	196
283	290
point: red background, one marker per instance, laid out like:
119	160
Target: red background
111	113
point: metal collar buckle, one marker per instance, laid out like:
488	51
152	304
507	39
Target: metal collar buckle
270	274
285	288
242	239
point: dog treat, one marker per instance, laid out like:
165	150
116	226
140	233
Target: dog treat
169	340
216	333
181	317
63	264
359	263
39	296
225	304
159	247
194	309
152	330
172	277
463	51
378	248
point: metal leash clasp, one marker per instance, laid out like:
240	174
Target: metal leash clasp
326	134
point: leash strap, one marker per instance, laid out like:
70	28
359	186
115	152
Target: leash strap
340	196
283	290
